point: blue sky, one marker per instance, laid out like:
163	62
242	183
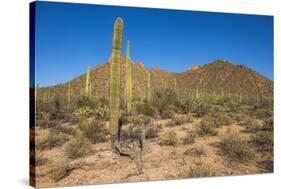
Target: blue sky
69	37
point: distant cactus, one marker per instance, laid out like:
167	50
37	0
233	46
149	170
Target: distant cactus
197	93
175	84
69	95
87	83
128	89
148	88
114	90
90	90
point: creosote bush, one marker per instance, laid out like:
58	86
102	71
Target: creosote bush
53	139
94	130
58	171
169	138
237	147
146	108
207	127
179	120
77	147
201	170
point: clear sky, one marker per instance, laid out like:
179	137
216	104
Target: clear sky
69	37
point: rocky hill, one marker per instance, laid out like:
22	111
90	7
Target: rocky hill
210	77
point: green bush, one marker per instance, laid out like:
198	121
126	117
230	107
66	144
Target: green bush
263	140
77	147
180	119
201	170
53	139
169	138
237	147
140	119
207	127
83	111
102	112
200	108
146	108
94	130
58	171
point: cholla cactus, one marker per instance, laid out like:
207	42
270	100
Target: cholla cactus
148	88
128	88
87	83
114	88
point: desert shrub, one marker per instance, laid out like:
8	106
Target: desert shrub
262	113
40	159
263	140
201	170
146	108
151	133
169	138
65	129
223	119
241	118
94	130
200	108
197	151
268	124
179	120
57	109
140	119
42	115
190	137
53	139
237	147
83	111
253	125
46	123
207	127
102	112
77	147
187	105
131	133
168	113
58	171
164	98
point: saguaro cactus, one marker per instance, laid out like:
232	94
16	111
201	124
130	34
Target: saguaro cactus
69	95
114	90
175	84
148	88
128	89
87	83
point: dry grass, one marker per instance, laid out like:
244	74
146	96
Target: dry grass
169	138
76	148
236	147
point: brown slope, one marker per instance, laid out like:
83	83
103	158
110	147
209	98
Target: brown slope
213	76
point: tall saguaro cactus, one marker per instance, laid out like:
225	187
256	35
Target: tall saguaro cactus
87	83
128	89
148	88
114	88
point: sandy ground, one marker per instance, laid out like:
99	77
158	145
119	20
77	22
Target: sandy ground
159	162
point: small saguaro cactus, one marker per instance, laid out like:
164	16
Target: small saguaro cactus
114	88
128	88
148	88
87	83
69	95
175	84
